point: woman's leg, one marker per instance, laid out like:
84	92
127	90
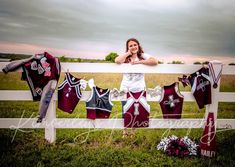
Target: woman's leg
123	104
125	131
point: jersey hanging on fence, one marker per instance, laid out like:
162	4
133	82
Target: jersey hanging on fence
201	87
136	110
39	71
99	104
172	101
42	72
69	92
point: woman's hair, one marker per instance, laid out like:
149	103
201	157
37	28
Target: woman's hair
139	53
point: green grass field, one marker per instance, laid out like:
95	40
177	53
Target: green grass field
93	147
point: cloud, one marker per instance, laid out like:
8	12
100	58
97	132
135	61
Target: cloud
97	27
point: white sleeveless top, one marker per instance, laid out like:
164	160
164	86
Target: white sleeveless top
134	82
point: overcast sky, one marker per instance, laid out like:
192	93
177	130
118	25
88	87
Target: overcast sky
93	28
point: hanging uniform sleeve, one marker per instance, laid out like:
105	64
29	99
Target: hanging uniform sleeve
14	65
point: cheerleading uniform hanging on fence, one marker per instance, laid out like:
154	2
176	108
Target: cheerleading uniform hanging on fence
136	110
99	104
172	101
200	86
69	92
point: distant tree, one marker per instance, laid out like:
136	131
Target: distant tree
78	60
197	62
206	62
69	59
13	56
231	64
63	59
176	62
160	62
111	57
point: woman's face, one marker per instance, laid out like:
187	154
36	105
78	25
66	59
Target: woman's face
133	47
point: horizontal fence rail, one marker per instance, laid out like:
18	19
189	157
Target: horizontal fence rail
112	123
51	123
128	68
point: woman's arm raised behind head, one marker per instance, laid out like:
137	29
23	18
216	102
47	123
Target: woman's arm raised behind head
121	59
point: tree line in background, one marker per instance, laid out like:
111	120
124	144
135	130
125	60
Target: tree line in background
110	58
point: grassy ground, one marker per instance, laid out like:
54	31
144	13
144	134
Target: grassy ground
105	148
84	147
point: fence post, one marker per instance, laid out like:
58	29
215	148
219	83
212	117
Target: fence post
50	131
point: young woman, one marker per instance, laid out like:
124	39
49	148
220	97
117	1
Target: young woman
134	55
134	82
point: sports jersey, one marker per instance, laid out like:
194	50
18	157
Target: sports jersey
42	72
69	93
171	101
99	104
39	71
201	87
136	110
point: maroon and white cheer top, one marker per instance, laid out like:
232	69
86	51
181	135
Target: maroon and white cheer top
172	101
69	92
136	110
201	87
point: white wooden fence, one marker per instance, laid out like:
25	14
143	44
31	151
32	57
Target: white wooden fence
51	123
